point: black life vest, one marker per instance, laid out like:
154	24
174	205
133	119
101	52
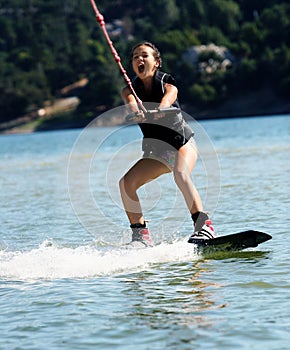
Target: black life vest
171	129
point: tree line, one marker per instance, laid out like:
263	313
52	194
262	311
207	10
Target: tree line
46	45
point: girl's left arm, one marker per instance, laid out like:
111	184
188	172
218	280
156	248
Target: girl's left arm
169	97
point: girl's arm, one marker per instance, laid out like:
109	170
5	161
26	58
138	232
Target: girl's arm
169	97
132	106
130	100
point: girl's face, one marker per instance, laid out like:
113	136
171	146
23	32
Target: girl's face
144	62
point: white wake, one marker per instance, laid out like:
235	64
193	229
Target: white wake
52	262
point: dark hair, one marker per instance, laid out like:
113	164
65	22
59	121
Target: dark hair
157	54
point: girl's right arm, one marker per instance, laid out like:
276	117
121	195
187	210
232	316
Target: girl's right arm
132	106
129	100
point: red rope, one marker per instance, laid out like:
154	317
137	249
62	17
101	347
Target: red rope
100	19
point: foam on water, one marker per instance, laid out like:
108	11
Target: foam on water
52	262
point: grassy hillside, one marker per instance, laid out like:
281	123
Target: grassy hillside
47	45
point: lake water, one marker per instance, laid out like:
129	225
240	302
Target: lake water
66	282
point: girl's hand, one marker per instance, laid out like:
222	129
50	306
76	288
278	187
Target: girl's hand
136	117
140	117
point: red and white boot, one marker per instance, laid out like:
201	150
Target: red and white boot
141	236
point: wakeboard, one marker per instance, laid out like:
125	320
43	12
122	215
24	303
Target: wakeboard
233	242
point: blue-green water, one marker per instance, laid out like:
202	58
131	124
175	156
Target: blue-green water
67	283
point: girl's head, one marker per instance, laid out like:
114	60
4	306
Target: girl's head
156	52
145	59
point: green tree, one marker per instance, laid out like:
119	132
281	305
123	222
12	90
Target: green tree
224	14
203	95
276	22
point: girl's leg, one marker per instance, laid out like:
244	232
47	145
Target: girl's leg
184	163
144	171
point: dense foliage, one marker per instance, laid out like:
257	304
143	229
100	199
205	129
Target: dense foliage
46	45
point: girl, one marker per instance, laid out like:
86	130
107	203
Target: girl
167	146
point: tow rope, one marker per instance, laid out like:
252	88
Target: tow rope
101	20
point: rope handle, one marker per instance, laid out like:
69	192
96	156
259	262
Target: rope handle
135	116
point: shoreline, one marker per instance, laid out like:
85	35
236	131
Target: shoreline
29	128
255	104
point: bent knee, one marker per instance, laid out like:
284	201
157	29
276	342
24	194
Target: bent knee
127	183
